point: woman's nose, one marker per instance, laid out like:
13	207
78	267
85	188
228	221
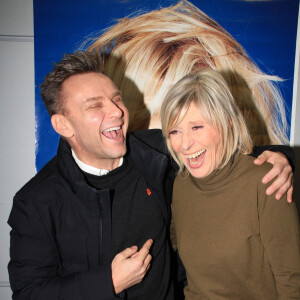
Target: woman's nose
187	141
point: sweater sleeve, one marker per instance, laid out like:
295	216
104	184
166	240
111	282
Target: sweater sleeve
279	230
35	268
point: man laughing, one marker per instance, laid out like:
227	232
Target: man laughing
89	223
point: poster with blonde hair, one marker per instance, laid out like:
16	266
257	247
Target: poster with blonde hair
149	45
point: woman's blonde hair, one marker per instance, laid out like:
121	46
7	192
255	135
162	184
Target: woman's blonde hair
208	90
148	53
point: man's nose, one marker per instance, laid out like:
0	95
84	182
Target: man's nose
114	110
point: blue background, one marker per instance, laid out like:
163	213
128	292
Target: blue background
266	29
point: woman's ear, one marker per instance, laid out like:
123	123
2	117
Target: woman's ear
62	125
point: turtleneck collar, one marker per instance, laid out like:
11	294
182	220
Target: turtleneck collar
218	177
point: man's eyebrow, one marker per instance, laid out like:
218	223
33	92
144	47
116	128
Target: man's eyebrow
92	99
115	94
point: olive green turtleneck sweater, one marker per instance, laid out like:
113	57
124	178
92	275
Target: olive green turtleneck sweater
234	240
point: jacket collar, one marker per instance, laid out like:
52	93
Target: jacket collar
152	165
68	168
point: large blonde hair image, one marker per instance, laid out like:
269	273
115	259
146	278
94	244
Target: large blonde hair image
147	54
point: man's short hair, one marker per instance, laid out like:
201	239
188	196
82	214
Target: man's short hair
70	64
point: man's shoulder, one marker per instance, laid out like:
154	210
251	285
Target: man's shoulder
39	197
43	182
152	138
148	133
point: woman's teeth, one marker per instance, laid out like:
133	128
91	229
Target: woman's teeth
196	154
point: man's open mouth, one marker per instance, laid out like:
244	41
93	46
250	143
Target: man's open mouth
113	132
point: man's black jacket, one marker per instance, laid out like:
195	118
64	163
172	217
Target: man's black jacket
50	253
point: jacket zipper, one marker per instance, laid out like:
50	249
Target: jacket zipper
100	230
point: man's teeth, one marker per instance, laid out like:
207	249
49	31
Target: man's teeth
194	155
112	129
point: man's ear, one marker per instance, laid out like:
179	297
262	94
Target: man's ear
62	125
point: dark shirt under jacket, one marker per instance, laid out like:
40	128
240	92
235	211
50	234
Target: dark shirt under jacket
65	232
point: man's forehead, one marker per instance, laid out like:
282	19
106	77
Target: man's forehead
93	82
